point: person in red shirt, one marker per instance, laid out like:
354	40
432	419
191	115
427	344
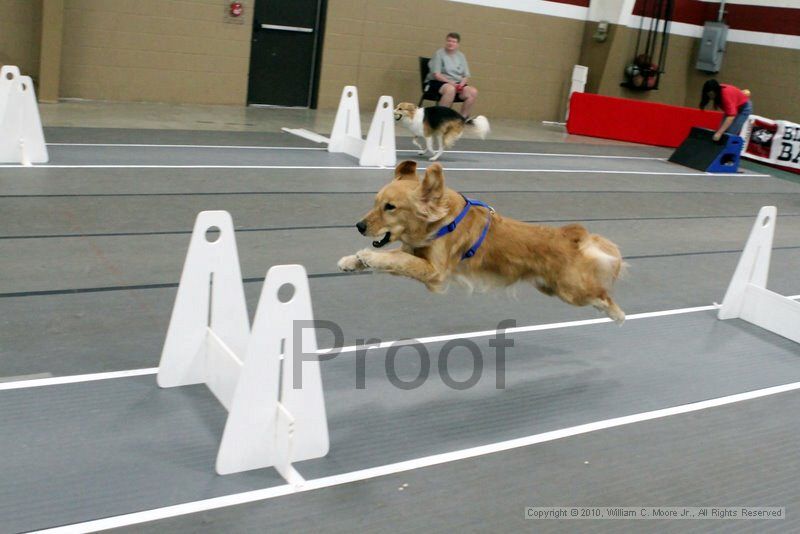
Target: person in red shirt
734	103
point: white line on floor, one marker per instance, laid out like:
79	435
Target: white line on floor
19	378
355	168
410	465
546	154
517	330
72	379
141	145
249	147
353	348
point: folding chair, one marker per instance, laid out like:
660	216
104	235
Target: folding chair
427	93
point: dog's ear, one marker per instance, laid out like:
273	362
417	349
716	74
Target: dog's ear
406	170
432	186
431	205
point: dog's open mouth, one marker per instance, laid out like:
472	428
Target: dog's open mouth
397	116
385	239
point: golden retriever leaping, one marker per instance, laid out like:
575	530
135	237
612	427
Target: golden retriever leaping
444	236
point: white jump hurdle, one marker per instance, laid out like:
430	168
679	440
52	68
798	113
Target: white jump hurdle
377	150
271	421
21	134
580	74
748	297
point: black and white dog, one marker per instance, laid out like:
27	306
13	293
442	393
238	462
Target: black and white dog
440	123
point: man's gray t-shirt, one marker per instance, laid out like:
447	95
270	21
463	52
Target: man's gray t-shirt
453	66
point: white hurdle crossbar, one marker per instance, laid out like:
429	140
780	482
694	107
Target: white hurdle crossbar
21	133
272	421
748	297
377	150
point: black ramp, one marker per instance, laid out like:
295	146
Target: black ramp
699	151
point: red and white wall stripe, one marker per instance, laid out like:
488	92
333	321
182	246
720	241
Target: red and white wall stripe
759	22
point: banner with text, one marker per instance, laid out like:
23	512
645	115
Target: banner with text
773	142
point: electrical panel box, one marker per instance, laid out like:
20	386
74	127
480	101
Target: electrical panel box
712	46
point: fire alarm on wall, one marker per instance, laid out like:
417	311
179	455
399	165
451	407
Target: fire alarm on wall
234	12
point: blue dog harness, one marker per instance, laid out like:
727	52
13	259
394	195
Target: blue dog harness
444	230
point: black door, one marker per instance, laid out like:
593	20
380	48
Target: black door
285	51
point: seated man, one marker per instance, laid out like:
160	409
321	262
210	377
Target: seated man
449	74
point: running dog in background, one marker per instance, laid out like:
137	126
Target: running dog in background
446	236
440	123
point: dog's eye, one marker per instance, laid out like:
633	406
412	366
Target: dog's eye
388	207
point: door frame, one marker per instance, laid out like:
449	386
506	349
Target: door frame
316	68
316	57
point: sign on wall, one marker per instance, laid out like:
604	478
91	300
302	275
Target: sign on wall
774	142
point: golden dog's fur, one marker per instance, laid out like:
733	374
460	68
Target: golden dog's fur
568	262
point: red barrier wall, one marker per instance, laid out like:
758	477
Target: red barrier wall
634	120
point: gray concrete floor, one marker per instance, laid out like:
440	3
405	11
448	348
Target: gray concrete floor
92	258
665	462
164	116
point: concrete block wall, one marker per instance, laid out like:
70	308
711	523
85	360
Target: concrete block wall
20	34
187	51
521	62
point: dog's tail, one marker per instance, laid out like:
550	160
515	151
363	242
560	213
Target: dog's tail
479	125
608	260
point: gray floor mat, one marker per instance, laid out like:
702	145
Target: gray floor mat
131	446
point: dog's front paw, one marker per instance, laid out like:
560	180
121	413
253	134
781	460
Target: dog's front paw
434	158
350	263
368	258
421	152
